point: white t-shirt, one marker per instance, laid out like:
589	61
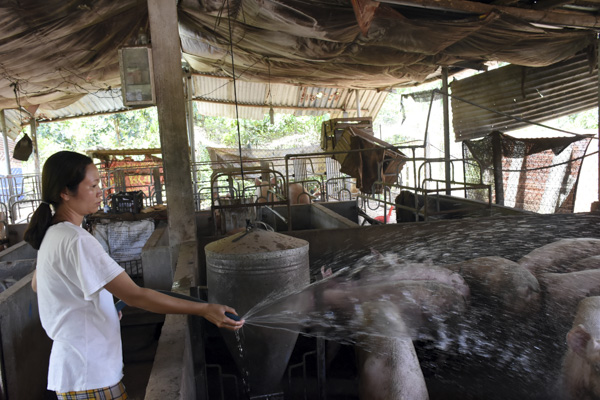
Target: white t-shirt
76	311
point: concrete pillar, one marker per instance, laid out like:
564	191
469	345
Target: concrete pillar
170	102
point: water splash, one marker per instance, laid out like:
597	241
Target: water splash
378	297
245	371
384	296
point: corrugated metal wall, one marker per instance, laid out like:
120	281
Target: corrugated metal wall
534	94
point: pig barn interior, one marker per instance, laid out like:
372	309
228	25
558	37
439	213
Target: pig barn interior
485	317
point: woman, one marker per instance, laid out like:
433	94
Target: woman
76	280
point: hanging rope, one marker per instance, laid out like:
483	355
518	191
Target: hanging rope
237	117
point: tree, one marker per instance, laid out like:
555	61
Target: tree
260	133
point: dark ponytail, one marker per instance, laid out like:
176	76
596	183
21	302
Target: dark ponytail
62	170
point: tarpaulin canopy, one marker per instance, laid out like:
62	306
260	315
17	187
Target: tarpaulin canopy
54	52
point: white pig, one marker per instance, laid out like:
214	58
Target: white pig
388	366
581	366
501	282
560	256
563	292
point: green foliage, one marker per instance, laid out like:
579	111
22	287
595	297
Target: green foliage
261	133
132	129
586	119
139	129
391	110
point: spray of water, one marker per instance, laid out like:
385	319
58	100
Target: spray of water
455	334
378	297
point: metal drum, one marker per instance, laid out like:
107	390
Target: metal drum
243	270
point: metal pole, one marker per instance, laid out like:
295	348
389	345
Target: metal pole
497	161
36	154
190	125
7	196
598	60
358	113
5	142
446	128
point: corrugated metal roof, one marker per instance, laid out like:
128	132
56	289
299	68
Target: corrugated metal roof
254	100
101	102
211	94
532	94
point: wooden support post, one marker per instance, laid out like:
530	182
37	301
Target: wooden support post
170	102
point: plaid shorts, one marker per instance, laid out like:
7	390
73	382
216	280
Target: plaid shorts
116	392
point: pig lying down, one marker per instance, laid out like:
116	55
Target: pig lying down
486	328
561	256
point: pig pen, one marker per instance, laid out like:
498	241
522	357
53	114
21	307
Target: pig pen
191	360
449	372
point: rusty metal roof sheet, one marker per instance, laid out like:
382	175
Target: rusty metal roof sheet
511	97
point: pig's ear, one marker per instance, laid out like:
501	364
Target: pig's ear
257	181
578	339
376	253
273	181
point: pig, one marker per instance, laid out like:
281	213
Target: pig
592	262
388	366
390	268
428	307
429	272
581	365
296	192
563	292
502	283
560	256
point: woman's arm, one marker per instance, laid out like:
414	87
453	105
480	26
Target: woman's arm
34	281
150	300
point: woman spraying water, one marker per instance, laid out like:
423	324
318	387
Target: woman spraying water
76	279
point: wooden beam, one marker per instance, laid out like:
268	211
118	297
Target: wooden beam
276	107
550	4
504	2
562	18
364	11
170	104
122	152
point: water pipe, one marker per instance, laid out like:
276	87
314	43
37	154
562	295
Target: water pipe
119	305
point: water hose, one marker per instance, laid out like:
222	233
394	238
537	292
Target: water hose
119	305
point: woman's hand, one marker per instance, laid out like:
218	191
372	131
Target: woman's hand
215	313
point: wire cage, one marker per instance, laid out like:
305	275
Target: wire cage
539	175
